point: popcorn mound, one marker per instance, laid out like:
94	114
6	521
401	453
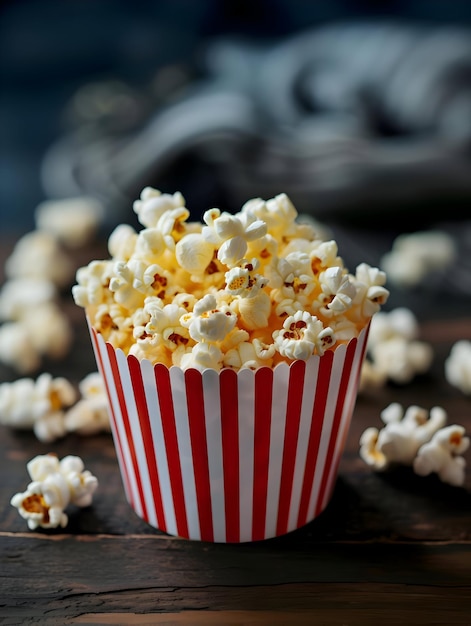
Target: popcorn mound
250	289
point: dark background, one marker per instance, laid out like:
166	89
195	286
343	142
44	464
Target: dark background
50	49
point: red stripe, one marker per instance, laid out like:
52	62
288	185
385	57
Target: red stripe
162	379
199	450
293	417
230	453
114	426
262	418
344	380
321	391
127	426
144	421
350	404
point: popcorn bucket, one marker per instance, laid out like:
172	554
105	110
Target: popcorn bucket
230	456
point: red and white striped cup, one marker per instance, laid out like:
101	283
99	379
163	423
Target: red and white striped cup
230	456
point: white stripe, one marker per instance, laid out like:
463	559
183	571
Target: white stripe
160	451
309	392
184	448
212	410
127	460
246	394
335	377
277	438
135	425
348	408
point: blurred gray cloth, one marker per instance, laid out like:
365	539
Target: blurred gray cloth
344	118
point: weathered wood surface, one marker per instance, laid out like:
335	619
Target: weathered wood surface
390	548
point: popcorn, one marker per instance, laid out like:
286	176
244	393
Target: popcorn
153	204
42	330
414	256
73	221
458	366
417	439
399	441
20	294
39	255
16	350
401	360
90	414
55	484
49	330
122	242
302	335
37	404
198	294
337	291
441	455
394	351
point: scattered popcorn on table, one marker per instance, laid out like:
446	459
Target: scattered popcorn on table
418	439
55	484
400	439
393	351
198	294
39	255
73	221
16	350
19	295
43	330
90	414
458	366
39	405
49	330
415	256
441	455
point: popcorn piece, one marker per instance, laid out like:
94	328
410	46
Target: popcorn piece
337	291
441	455
370	291
153	204
254	311
251	355
207	322
400	322
202	356
20	294
401	438
42	330
194	253
401	360
73	221
43	503
414	256
16	399
54	486
49	330
232	232
37	404
122	242
39	255
92	282
16	349
90	414
371	378
303	335
394	351
81	482
458	366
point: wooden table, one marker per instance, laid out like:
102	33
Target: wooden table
391	548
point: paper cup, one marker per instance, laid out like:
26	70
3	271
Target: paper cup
230	456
